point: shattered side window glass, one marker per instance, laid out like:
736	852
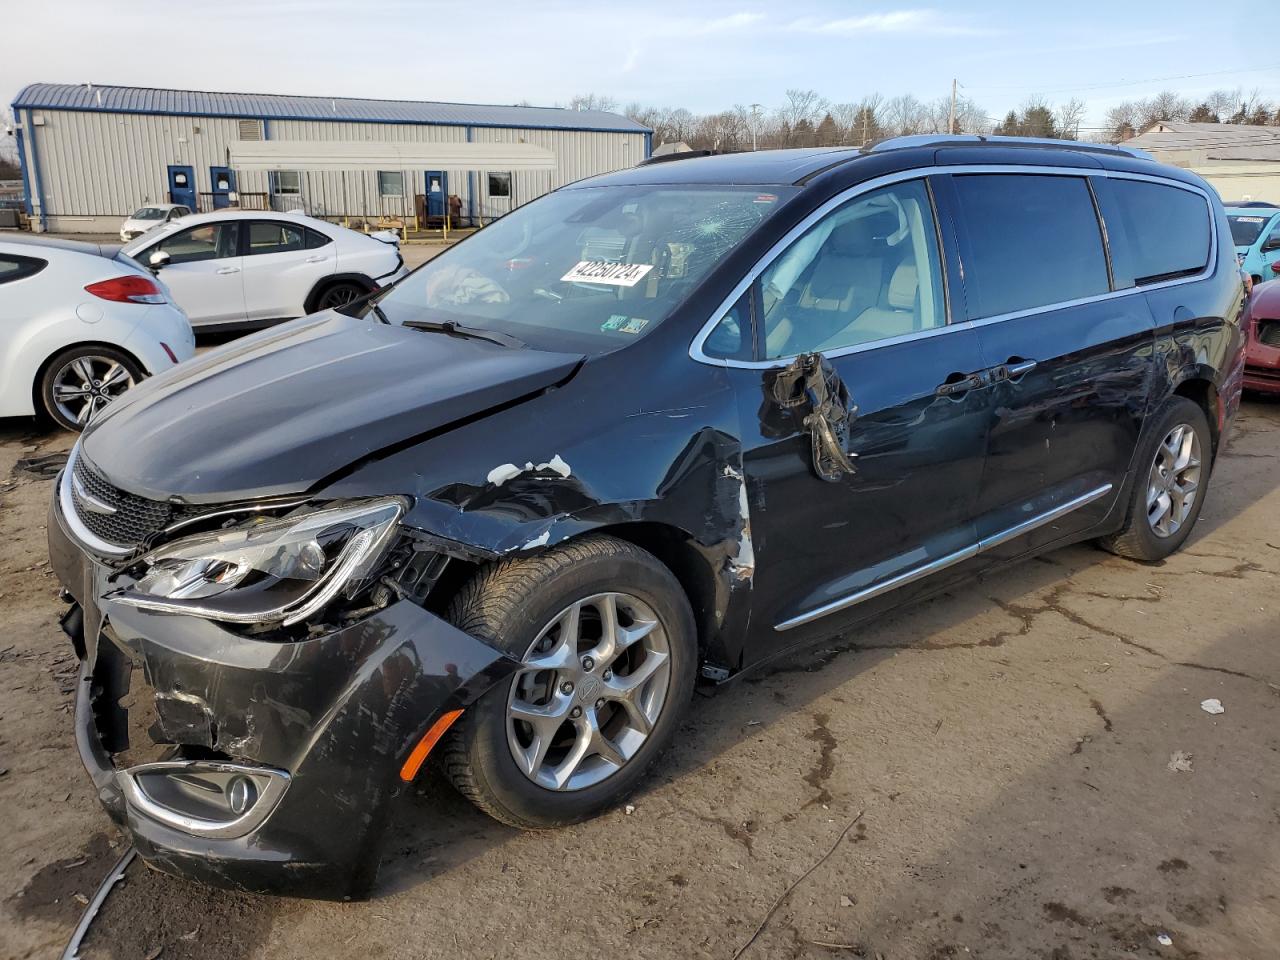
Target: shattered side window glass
868	271
586	269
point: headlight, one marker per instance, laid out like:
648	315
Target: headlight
273	571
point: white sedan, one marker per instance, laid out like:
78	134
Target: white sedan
238	269
79	325
149	217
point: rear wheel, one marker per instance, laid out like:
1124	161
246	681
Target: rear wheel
1169	489
79	382
339	294
607	647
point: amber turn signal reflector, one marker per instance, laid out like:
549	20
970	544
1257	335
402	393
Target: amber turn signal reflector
429	740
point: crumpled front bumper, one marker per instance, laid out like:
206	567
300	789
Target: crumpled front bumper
339	713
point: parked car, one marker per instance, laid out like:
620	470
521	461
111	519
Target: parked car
656	427
149	217
233	270
1262	325
1255	230
78	328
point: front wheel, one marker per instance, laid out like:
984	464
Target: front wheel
1172	476
607	647
79	382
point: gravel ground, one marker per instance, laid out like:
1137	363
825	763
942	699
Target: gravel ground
987	774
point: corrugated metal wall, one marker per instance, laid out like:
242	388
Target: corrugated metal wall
107	165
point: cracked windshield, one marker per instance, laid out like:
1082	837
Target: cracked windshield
588	269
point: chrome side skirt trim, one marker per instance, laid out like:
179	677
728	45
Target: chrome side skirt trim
951	559
1056	513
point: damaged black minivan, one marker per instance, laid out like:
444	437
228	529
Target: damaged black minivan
650	430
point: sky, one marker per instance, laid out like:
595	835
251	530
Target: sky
706	56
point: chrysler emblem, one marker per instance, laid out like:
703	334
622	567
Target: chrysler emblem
88	500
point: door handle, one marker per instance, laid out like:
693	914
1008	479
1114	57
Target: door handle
226	270
316	259
1012	369
959	383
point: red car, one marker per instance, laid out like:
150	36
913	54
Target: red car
1262	355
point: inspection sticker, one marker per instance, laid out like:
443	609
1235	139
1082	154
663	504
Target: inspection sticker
603	271
624	324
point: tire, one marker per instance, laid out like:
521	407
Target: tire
335	296
98	373
1140	538
514	602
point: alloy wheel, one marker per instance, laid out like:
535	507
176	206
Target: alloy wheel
1174	480
84	385
589	692
339	296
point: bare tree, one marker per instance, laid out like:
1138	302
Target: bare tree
1122	121
798	115
1223	103
593	101
905	115
1164	107
1068	116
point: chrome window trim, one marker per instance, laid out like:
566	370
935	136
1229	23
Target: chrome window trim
921	173
951	559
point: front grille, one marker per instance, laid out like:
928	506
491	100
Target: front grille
1269	332
134	520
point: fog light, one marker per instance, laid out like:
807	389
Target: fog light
204	798
241	795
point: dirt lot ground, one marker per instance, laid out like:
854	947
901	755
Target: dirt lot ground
986	775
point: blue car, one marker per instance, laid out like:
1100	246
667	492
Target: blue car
1256	233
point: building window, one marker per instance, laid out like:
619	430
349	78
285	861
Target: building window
500	185
287	183
390	183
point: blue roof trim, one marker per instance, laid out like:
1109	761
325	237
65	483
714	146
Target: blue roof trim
192	103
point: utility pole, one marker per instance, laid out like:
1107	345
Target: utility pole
951	121
865	117
755	124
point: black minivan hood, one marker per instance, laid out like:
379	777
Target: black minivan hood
279	411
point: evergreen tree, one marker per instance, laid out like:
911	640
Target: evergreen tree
828	134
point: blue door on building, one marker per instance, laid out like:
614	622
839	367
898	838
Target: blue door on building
182	186
437	192
224	185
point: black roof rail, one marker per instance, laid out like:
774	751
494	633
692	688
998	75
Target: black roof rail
682	155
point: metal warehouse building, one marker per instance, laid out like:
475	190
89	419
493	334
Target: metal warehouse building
91	154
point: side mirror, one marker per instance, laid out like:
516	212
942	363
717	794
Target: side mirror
158	259
1272	243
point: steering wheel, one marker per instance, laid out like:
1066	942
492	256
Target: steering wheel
519	243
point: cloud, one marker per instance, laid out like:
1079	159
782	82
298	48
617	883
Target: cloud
702	28
894	21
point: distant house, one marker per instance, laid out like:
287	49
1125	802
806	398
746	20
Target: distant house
1242	162
675	146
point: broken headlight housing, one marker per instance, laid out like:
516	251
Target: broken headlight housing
273	571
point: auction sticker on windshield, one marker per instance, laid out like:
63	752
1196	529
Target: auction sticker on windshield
602	271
